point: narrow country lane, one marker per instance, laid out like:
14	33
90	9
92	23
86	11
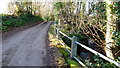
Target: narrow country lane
26	48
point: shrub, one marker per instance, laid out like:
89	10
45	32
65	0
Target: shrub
47	18
100	63
11	21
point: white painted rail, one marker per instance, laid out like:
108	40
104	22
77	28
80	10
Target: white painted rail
99	54
80	62
63	34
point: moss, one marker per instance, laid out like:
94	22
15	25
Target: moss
72	62
64	52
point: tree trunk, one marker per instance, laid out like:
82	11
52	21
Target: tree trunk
109	31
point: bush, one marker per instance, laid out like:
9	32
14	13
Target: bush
11	21
47	18
117	37
100	63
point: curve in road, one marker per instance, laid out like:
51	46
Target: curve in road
26	48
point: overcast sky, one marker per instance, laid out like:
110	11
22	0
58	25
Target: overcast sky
4	3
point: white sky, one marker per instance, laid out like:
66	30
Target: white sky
3	5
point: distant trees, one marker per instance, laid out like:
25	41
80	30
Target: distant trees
19	8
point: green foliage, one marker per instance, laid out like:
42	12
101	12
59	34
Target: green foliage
66	56
57	7
82	38
23	8
47	18
115	7
3	28
100	63
72	63
101	10
100	7
117	37
11	21
64	52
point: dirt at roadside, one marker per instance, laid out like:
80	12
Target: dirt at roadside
54	57
51	54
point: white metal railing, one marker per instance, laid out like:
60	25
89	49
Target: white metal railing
73	50
99	54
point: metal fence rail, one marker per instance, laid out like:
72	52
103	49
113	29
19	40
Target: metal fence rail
73	50
99	54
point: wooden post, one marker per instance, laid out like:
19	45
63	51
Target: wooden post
73	47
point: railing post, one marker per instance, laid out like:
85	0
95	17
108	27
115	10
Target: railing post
58	27
58	34
73	47
59	23
55	28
